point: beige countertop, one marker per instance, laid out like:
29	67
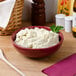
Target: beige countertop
33	67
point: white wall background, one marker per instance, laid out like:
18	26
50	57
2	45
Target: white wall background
50	5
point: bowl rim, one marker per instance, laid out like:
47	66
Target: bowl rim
45	27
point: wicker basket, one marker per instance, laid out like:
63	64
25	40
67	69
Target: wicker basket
15	19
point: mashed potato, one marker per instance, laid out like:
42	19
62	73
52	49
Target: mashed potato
36	38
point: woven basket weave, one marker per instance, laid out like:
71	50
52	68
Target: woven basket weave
15	19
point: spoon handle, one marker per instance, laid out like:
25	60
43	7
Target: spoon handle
12	66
